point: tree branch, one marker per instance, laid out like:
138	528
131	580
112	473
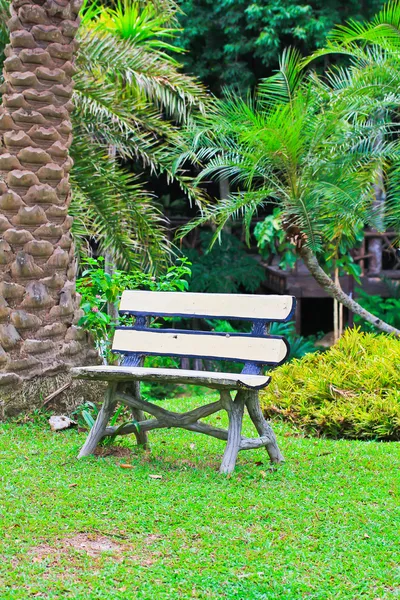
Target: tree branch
335	291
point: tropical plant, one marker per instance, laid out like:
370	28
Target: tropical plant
130	102
123	96
299	345
350	391
297	144
370	93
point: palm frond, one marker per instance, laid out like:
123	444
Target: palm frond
111	206
282	86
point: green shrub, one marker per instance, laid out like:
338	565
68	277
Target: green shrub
351	391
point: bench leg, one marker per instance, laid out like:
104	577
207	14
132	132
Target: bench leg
138	415
98	429
263	427
235	410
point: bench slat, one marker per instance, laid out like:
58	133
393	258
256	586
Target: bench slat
221	306
243	348
209	379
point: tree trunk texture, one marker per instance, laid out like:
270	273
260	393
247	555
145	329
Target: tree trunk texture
39	306
336	291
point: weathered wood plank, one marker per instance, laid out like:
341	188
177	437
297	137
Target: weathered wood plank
210	379
221	306
242	348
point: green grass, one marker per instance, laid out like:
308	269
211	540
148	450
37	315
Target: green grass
324	526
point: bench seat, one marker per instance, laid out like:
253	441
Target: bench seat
210	379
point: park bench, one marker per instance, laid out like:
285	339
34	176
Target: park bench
254	350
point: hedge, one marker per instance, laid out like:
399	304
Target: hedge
351	391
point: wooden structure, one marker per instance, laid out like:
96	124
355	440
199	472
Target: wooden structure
254	350
375	266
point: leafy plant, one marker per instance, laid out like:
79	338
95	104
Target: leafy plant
350	391
234	42
99	288
387	309
273	241
87	413
130	103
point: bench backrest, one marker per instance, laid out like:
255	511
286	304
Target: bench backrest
254	349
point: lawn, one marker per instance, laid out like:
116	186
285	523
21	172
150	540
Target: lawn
326	525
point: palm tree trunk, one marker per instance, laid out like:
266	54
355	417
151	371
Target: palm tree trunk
336	291
39	307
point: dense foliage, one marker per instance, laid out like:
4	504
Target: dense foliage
350	391
226	268
387	309
235	42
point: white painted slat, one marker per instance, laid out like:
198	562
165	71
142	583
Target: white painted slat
241	348
209	379
235	306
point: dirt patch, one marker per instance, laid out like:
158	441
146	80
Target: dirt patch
92	545
118	451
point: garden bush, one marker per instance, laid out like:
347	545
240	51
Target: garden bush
351	391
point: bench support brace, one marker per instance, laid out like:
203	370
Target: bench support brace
190	420
98	429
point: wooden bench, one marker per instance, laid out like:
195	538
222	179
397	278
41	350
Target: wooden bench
254	350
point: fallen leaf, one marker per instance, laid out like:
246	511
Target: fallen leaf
72	485
263	474
155	476
366	535
258	463
126	466
122	589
